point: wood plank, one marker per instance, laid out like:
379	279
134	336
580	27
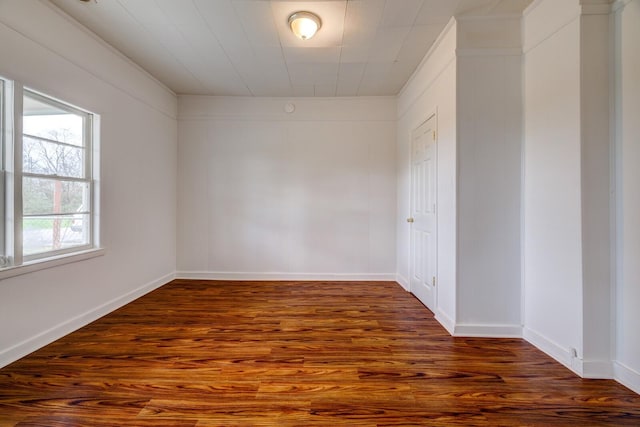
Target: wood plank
218	353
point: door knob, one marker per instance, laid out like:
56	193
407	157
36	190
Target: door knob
409	219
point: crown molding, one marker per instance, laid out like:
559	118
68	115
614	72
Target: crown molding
587	7
505	16
507	51
618	5
595	7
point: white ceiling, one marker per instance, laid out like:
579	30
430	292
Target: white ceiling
244	47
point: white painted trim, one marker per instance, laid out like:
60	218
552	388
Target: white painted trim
619	5
627	376
234	275
41	339
284	99
553	350
504	16
279	118
597	369
505	51
403	281
307	109
41	264
445	321
523	174
577	366
488	331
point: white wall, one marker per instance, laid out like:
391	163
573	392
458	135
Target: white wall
567	225
596	146
627	366
138	180
264	194
552	180
431	90
472	79
489	120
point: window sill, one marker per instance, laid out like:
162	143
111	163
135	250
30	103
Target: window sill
30	267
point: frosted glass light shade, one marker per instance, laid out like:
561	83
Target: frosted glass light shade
304	24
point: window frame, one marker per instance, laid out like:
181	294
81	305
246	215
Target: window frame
87	146
13	262
4	261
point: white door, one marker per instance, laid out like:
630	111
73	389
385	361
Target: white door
423	213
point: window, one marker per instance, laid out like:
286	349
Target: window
47	177
56	177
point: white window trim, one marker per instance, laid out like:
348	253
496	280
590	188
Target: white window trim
54	261
11	179
3	137
87	174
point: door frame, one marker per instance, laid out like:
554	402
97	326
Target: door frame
433	115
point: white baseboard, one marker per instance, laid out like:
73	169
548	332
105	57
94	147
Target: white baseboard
597	369
403	281
48	336
554	350
227	275
488	331
445	321
627	376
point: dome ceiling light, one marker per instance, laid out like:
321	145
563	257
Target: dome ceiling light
304	24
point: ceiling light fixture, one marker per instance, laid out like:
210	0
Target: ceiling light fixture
304	24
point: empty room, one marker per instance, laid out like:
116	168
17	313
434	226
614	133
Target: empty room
333	212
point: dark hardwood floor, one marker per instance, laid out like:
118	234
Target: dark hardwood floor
202	353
